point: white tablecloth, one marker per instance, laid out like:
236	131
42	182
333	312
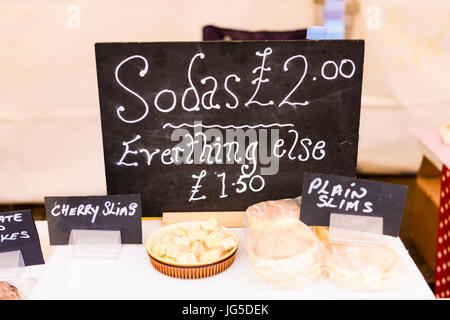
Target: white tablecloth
131	276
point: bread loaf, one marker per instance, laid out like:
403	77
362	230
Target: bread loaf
283	251
8	291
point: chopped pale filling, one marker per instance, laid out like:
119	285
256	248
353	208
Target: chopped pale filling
205	243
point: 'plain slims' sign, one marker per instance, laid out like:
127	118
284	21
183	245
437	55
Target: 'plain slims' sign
112	212
18	232
325	194
218	126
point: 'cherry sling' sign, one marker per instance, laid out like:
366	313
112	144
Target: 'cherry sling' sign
113	212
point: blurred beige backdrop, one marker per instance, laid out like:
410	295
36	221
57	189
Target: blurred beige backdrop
49	115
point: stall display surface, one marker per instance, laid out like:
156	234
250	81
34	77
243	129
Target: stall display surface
131	276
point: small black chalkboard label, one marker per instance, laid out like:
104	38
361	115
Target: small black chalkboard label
325	194
18	232
112	212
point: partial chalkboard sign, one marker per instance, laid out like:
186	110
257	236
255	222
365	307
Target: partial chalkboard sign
325	194
219	126
18	232
112	212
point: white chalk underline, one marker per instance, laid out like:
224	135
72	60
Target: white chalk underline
227	126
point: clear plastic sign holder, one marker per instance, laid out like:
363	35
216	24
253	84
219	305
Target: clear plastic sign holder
356	229
11	265
100	244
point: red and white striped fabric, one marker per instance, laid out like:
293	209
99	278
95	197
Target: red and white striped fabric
442	270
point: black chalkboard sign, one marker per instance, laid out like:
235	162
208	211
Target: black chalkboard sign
325	194
18	232
210	126
113	212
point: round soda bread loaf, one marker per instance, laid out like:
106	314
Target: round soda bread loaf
268	215
283	251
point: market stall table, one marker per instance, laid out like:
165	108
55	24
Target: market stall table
131	276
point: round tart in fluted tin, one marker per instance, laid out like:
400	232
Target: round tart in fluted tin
192	250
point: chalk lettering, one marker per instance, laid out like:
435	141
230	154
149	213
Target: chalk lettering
260	79
142	73
285	68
